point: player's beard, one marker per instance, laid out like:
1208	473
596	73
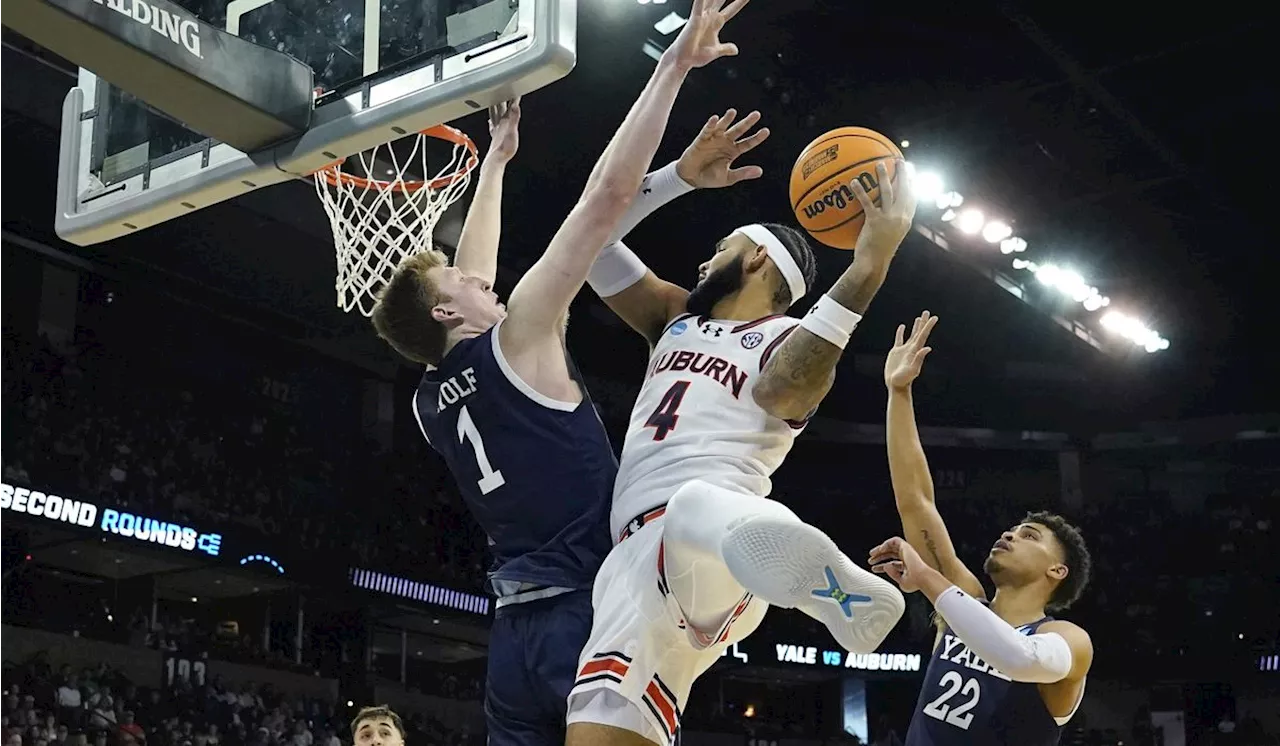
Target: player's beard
720	284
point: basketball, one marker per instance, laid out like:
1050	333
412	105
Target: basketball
821	197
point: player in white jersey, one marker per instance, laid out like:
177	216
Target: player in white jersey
695	417
702	550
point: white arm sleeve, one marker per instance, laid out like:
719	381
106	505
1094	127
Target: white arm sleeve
657	189
1042	658
618	268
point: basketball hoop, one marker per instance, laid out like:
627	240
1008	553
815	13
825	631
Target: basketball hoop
377	223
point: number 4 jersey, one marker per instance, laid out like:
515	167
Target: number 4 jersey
536	473
967	702
695	417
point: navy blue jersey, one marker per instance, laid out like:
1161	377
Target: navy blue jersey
536	473
967	702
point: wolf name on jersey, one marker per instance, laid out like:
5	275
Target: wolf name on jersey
695	417
967	702
536	473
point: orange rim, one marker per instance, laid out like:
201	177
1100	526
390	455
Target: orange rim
334	175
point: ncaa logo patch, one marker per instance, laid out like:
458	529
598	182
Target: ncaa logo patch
679	328
752	340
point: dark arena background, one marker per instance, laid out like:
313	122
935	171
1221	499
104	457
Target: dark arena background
196	374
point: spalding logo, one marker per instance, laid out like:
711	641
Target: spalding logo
752	340
841	197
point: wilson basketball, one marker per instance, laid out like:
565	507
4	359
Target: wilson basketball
820	194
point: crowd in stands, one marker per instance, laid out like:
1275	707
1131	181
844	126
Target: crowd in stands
100	706
91	424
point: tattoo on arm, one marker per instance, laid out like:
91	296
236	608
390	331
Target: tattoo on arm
807	361
804	359
930	545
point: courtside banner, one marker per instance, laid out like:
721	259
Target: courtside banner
758	650
107	520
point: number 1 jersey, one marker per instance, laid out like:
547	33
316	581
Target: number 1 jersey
695	417
536	473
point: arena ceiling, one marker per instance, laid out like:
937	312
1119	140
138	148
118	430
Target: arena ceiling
1121	144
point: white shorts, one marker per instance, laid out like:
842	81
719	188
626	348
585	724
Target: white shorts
640	646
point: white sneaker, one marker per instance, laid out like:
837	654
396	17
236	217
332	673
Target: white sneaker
794	565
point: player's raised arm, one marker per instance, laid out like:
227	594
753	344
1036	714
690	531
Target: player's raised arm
802	369
922	525
1059	651
639	297
477	254
541	299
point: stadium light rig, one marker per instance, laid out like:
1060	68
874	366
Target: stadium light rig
931	189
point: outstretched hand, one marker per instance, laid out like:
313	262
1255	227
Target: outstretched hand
708	161
886	224
504	131
900	561
699	41
903	363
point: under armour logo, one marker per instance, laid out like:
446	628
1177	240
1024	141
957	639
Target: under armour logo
713	330
833	592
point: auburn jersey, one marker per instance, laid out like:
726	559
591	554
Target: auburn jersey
695	417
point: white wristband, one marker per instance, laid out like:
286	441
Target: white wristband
616	269
831	321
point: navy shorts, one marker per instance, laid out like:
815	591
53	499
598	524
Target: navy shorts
533	660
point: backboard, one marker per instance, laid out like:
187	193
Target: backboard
383	69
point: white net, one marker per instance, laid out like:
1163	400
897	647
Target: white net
378	222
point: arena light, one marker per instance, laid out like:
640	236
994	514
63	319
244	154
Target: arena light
1096	301
1013	245
1134	330
670	24
927	185
906	143
652	50
948	200
996	231
1066	281
970	221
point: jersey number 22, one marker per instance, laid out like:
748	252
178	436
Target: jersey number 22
965	691
490	478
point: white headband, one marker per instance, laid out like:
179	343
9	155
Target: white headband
781	258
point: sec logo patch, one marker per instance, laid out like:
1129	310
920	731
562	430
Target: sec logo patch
752	340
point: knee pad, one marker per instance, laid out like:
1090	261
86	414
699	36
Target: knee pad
701	514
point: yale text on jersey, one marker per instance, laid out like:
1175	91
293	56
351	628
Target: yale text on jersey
716	368
955	651
456	388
